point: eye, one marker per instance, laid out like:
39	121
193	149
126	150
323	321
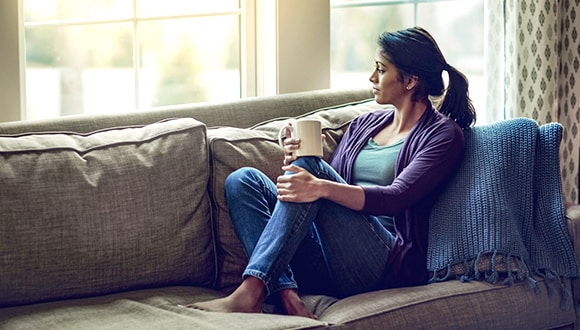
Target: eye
379	68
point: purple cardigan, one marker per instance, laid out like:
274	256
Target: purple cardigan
428	158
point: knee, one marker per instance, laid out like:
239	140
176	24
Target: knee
234	179
318	167
241	180
309	163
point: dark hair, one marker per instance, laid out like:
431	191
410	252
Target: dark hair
415	53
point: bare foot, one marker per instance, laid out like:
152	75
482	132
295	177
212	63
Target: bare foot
228	304
293	304
247	298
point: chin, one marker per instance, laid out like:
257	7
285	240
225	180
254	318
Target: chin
379	101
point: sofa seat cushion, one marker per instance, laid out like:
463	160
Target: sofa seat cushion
143	309
232	148
445	305
111	210
448	305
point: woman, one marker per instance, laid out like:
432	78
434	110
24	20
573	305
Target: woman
360	223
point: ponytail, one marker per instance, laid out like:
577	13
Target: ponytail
456	102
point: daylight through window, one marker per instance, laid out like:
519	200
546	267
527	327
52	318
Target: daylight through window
86	56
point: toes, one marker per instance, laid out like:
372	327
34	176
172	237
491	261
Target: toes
194	306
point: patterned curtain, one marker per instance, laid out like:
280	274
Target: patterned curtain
532	64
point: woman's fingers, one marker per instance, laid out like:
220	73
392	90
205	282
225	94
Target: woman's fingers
290	145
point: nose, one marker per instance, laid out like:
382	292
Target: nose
372	78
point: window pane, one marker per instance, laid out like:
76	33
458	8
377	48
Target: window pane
79	69
40	10
354	32
458	28
457	25
181	7
182	63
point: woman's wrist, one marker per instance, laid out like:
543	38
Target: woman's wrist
344	194
325	188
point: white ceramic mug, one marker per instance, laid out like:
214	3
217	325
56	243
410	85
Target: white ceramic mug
309	131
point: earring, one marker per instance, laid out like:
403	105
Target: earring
408	88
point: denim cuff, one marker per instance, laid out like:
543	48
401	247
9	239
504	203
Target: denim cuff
271	287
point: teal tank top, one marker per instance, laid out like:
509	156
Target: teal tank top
375	166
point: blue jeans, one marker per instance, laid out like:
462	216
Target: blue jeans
327	248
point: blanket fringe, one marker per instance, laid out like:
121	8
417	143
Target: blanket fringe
467	272
476	275
509	280
521	265
552	279
445	277
566	296
534	284
516	269
492	274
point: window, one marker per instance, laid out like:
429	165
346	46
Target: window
87	56
457	25
63	57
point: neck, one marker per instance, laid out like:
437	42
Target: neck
403	121
407	115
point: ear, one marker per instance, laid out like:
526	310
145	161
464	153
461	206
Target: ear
411	81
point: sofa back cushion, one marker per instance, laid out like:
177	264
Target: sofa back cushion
232	148
111	210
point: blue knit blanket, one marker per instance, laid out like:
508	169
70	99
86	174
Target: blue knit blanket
502	216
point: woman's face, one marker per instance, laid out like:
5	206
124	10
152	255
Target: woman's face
387	87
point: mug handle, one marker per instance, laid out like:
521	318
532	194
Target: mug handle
282	134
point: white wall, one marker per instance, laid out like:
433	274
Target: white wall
10	78
303	45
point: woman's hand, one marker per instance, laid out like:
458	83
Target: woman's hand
299	187
290	145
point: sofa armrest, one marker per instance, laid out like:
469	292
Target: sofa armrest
573	224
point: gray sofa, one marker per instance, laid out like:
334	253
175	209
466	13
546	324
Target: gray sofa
115	221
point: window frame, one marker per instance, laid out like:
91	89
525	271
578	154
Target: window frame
266	38
247	49
369	3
